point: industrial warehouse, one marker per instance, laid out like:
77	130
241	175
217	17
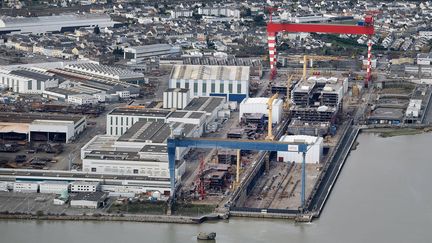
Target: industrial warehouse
231	82
41	127
60	23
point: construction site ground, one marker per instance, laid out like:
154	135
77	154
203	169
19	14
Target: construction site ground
280	188
209	156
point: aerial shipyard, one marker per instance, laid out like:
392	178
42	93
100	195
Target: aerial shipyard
199	109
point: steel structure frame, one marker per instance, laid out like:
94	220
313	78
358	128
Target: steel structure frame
174	143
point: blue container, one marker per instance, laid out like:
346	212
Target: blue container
333	130
361	23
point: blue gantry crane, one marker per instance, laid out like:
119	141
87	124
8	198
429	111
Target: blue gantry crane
241	144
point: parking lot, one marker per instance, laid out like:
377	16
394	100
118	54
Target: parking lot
17	202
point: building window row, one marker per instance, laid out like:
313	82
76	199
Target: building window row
224	87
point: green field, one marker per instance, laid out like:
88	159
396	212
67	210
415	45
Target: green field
147	207
192	209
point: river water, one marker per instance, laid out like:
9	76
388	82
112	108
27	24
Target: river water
383	195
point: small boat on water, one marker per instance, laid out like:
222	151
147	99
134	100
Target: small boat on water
206	236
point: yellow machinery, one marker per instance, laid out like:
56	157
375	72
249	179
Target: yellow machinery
288	94
270	117
135	107
318	58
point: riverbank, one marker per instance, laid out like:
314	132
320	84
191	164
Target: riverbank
116	218
392	132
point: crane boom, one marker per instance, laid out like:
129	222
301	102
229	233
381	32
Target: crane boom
321	28
270	116
364	28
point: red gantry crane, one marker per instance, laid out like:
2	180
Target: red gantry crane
363	28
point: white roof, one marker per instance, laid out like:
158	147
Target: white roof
207	72
300	139
91	183
149	48
58	19
259	100
55	182
50	122
103	70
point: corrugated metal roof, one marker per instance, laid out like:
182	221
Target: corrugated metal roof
206	72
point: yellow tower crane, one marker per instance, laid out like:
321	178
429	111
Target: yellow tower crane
288	94
318	58
270	116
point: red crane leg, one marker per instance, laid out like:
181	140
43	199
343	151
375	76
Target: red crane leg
271	39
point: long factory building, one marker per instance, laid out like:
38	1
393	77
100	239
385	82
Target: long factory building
27	81
231	82
55	23
26	180
41	126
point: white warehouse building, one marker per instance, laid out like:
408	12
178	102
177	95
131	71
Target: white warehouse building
55	23
259	105
84	186
176	98
120	120
142	150
82	99
56	129
56	187
231	82
109	74
27	81
25	186
313	154
137	54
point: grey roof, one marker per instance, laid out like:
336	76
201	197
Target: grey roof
149	48
180	90
207	104
141	112
230	61
154	149
33	75
142	131
207	72
14	117
152	131
90	196
65	18
61	91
